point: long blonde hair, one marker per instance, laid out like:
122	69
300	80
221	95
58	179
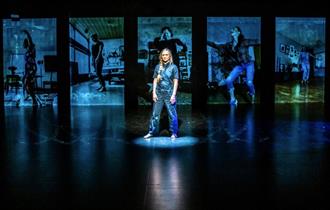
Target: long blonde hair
161	63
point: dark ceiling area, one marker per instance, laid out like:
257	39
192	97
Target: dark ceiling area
115	8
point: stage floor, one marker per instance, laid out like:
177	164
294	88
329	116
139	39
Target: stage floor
225	158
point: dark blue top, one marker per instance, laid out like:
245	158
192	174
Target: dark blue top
95	50
169	73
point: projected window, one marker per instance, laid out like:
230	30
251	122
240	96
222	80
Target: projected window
300	60
96	61
233	46
29	77
155	34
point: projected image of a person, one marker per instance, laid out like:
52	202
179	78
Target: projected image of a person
305	64
166	40
222	66
30	67
243	59
165	85
97	60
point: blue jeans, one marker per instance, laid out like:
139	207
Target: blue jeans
305	69
98	67
249	76
163	98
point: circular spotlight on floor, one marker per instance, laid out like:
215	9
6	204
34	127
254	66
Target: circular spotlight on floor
166	142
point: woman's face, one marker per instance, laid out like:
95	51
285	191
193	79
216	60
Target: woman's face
166	34
165	56
235	32
94	39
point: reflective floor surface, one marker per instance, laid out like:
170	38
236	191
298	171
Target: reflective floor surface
224	158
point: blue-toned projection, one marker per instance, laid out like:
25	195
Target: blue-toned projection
234	59
155	34
300	60
96	61
29	52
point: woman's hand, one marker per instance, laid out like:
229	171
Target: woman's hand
173	99
154	97
97	60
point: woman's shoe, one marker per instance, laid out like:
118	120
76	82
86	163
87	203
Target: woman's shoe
252	98
103	89
233	102
149	135
173	137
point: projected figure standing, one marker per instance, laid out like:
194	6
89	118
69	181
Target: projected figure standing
305	65
165	85
30	67
242	58
166	40
97	60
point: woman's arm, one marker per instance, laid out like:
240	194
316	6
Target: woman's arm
212	44
310	54
180	43
28	36
220	47
99	54
251	42
154	86
175	88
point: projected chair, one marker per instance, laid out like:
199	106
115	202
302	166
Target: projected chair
153	55
12	80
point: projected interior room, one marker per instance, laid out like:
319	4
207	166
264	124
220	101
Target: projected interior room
300	60
29	54
96	61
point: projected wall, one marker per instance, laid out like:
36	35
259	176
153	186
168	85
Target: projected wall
30	73
233	46
155	34
96	61
300	60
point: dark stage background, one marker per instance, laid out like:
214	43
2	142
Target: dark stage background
264	156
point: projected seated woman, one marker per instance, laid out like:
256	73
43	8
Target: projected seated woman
166	40
165	85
